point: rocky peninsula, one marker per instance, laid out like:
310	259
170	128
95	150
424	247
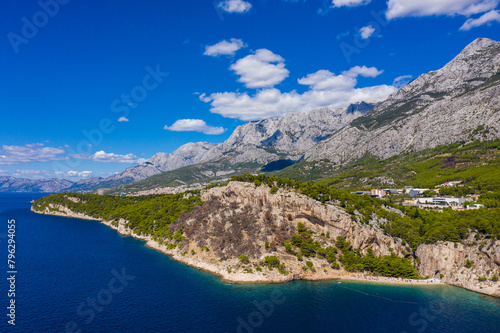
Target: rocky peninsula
245	233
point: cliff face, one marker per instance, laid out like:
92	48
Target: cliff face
289	208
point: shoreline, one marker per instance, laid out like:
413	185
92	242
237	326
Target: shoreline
346	276
236	278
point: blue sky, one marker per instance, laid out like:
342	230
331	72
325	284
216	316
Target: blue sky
89	88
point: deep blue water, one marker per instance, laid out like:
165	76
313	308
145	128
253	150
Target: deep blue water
63	264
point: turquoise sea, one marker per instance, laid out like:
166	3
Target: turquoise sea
80	276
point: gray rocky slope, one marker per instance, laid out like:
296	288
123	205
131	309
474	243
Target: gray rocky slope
11	184
459	102
289	137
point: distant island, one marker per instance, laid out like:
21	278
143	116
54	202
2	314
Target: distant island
260	229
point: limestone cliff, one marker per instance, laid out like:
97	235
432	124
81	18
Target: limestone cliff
449	262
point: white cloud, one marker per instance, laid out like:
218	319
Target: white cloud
235	6
194	125
35	152
326	80
349	3
264	69
102	156
491	16
325	89
367	31
403	8
402	81
123	119
264	104
224	48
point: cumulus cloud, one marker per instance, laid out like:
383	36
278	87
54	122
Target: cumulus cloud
367	31
325	89
362	71
491	16
235	6
349	3
326	80
264	69
123	120
102	156
194	125
36	152
224	48
403	8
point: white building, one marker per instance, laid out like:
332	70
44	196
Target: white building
475	206
446	202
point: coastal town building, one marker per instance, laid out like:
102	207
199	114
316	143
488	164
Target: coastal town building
417	191
377	192
454	203
475	206
393	191
448	184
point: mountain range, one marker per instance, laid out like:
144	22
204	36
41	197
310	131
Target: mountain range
457	103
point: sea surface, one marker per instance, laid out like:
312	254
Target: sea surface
81	276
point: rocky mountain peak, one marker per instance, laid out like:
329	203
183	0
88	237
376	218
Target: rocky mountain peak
287	137
190	152
478	62
478	44
362	107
